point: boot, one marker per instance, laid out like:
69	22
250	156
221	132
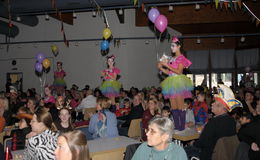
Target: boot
182	116
175	116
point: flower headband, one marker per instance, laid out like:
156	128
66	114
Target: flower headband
175	40
111	57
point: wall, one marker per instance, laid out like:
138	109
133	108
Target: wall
83	61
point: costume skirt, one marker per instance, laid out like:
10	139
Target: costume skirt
58	82
110	88
177	85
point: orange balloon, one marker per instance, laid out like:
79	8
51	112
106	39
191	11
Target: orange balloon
46	63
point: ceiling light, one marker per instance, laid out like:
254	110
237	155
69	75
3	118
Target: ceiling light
242	39
94	14
197	7
120	12
170	8
47	17
18	19
74	15
222	40
198	40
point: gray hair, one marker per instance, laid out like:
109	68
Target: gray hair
164	124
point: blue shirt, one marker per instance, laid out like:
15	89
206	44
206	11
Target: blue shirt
112	130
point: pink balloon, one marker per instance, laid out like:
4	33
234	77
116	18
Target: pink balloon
161	23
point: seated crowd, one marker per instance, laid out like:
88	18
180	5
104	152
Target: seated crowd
46	127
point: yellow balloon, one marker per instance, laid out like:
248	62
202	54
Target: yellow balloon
46	63
55	50
107	33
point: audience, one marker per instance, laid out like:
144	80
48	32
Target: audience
159	145
103	123
221	125
151	111
200	109
72	146
64	123
43	139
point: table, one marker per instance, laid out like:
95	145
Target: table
109	148
187	135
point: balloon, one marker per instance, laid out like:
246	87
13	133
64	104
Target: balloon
38	67
106	33
161	23
40	57
55	50
104	45
46	63
153	14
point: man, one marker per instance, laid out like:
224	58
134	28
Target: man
88	102
135	113
221	125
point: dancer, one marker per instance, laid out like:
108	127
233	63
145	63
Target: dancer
110	86
176	86
59	83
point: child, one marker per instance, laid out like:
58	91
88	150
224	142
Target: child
200	109
166	112
125	110
189	119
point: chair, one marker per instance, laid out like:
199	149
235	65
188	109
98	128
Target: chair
134	130
86	112
8	143
225	148
2	134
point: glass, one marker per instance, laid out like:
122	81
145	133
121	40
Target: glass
199	79
152	132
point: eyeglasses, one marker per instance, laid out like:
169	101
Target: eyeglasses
152	132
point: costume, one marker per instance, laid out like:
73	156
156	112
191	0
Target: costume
41	146
110	88
172	152
59	82
177	85
200	110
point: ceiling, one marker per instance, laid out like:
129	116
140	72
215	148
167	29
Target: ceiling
34	7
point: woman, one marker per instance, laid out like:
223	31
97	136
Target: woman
72	146
43	139
59	82
64	123
4	113
151	111
176	86
159	145
103	123
110	87
49	98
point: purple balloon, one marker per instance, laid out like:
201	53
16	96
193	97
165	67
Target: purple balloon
161	23
40	57
153	14
38	67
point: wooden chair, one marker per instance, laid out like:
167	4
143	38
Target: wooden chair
134	130
225	148
86	112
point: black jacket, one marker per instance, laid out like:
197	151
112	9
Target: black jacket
217	127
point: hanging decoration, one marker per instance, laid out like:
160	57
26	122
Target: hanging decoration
107	33
63	32
254	17
134	2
